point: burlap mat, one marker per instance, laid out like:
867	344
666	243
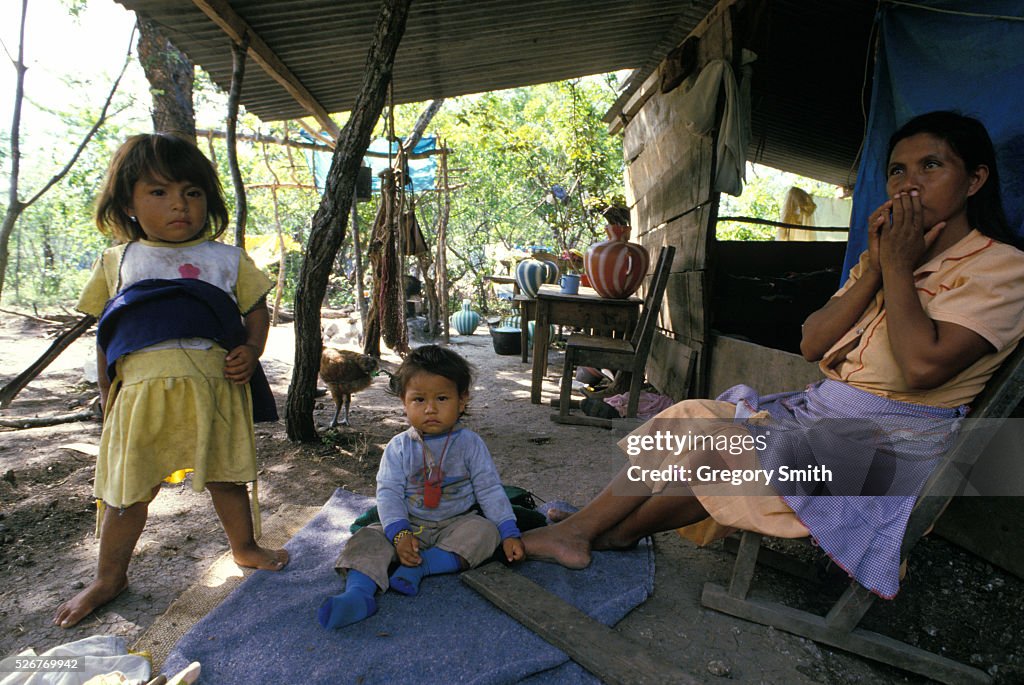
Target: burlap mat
218	582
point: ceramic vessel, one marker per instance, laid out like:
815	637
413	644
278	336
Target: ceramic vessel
616	267
551	271
531	274
506	340
466	320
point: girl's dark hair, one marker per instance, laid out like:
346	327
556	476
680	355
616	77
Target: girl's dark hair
156	156
436	360
969	139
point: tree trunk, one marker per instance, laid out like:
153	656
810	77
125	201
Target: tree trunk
238	52
170	74
330	220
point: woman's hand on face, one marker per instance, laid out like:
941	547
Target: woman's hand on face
904	243
878	221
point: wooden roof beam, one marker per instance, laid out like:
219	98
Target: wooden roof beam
222	14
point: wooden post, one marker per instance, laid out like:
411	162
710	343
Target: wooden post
442	245
358	249
238	51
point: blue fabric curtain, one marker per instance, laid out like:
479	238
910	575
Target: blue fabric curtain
929	60
421	171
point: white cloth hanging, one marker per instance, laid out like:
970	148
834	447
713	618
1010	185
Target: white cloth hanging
697	111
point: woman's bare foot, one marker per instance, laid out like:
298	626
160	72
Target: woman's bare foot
609	542
262	558
556	515
559	543
95	595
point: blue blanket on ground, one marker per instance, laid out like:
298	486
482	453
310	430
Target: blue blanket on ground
266	631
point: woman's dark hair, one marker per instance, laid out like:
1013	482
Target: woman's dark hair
156	156
969	139
436	360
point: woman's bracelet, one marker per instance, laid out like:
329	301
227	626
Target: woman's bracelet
399	535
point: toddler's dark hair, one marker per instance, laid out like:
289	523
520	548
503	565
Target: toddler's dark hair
152	155
437	360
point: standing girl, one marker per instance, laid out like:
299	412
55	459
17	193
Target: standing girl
183	322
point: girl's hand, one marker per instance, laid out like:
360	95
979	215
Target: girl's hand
513	549
408	549
905	242
240	364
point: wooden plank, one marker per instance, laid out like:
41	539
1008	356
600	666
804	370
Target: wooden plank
685	308
863	642
670	366
652	84
224	16
991	527
594	646
677	190
738	361
746	563
690	236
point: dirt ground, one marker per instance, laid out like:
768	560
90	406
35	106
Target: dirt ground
951	602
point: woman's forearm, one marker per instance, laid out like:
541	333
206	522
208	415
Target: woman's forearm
824	327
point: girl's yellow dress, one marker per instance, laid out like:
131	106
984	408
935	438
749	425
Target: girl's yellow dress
170	410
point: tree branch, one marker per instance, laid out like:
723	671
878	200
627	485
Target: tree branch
92	131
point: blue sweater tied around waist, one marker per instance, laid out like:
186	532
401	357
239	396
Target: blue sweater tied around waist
154	310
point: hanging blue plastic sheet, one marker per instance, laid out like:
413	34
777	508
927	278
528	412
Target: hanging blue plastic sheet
422	172
950	59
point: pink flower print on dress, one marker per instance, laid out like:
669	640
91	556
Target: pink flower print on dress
189	271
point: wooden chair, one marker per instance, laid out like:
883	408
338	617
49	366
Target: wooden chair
838	628
614	353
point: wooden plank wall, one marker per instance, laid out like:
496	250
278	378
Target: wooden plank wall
668	187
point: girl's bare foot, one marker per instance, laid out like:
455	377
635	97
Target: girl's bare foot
559	543
95	595
262	558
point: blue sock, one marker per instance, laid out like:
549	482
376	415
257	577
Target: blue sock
351	606
435	560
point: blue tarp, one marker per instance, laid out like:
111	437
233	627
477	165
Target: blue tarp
421	171
930	60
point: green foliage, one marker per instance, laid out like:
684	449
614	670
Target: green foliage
762	198
512	154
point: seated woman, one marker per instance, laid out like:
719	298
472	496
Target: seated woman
926	317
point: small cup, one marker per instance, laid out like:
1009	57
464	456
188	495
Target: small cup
570	284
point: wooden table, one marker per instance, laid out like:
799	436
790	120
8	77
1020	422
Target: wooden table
586	310
504	280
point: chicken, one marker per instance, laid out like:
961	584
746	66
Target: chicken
345	372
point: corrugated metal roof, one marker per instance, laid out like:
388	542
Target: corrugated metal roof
450	47
807	91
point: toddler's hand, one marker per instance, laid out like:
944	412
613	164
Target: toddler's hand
408	549
513	549
240	364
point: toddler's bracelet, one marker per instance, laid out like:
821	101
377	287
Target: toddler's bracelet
399	535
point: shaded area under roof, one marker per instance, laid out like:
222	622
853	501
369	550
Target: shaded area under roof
450	47
807	90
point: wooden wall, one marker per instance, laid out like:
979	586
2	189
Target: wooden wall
668	187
